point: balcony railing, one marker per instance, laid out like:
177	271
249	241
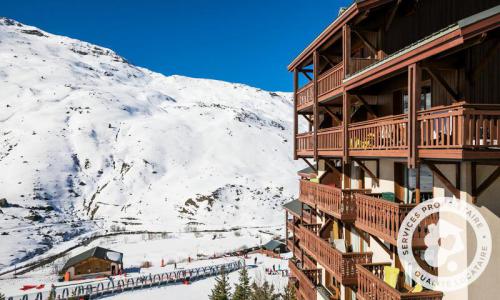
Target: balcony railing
382	218
330	139
342	265
468	126
305	96
305	142
358	64
330	80
331	200
308	280
455	128
371	286
388	133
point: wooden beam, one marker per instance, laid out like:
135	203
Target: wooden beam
315	107
414	94
333	168
443	83
310	165
366	42
346	116
417	185
307	118
346	172
328	60
334	116
383	246
307	75
392	14
306	70
368	107
487	182
368	171
346	49
444	180
295	114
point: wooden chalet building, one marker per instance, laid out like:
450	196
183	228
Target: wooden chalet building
95	262
401	101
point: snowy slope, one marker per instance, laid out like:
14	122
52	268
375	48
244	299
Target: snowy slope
89	141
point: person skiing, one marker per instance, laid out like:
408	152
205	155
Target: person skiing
255	261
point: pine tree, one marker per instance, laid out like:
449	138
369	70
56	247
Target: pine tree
289	293
263	292
221	290
242	290
2	296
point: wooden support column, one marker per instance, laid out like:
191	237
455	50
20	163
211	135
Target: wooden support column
414	91
346	116
315	108
417	184
346	171
346	49
295	112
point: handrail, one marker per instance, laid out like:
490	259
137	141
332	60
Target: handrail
372	286
342	265
457	126
383	218
306	287
331	200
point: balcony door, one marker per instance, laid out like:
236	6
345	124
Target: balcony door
400	100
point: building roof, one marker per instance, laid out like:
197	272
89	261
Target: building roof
430	38
273	245
343	16
479	16
307	172
294	207
97	252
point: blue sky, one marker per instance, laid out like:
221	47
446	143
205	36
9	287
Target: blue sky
246	41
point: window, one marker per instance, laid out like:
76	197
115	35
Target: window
425	99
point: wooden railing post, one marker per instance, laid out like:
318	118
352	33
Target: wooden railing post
414	91
315	107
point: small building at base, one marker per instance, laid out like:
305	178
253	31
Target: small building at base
273	248
95	262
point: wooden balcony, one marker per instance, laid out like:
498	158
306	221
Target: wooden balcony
371	286
329	84
305	96
459	131
331	200
307	281
341	265
296	251
382	218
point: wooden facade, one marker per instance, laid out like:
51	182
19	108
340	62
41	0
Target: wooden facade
415	82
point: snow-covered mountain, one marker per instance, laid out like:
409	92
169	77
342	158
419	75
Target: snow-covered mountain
89	141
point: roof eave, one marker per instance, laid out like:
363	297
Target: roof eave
333	28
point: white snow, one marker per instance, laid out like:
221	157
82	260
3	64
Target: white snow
89	143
